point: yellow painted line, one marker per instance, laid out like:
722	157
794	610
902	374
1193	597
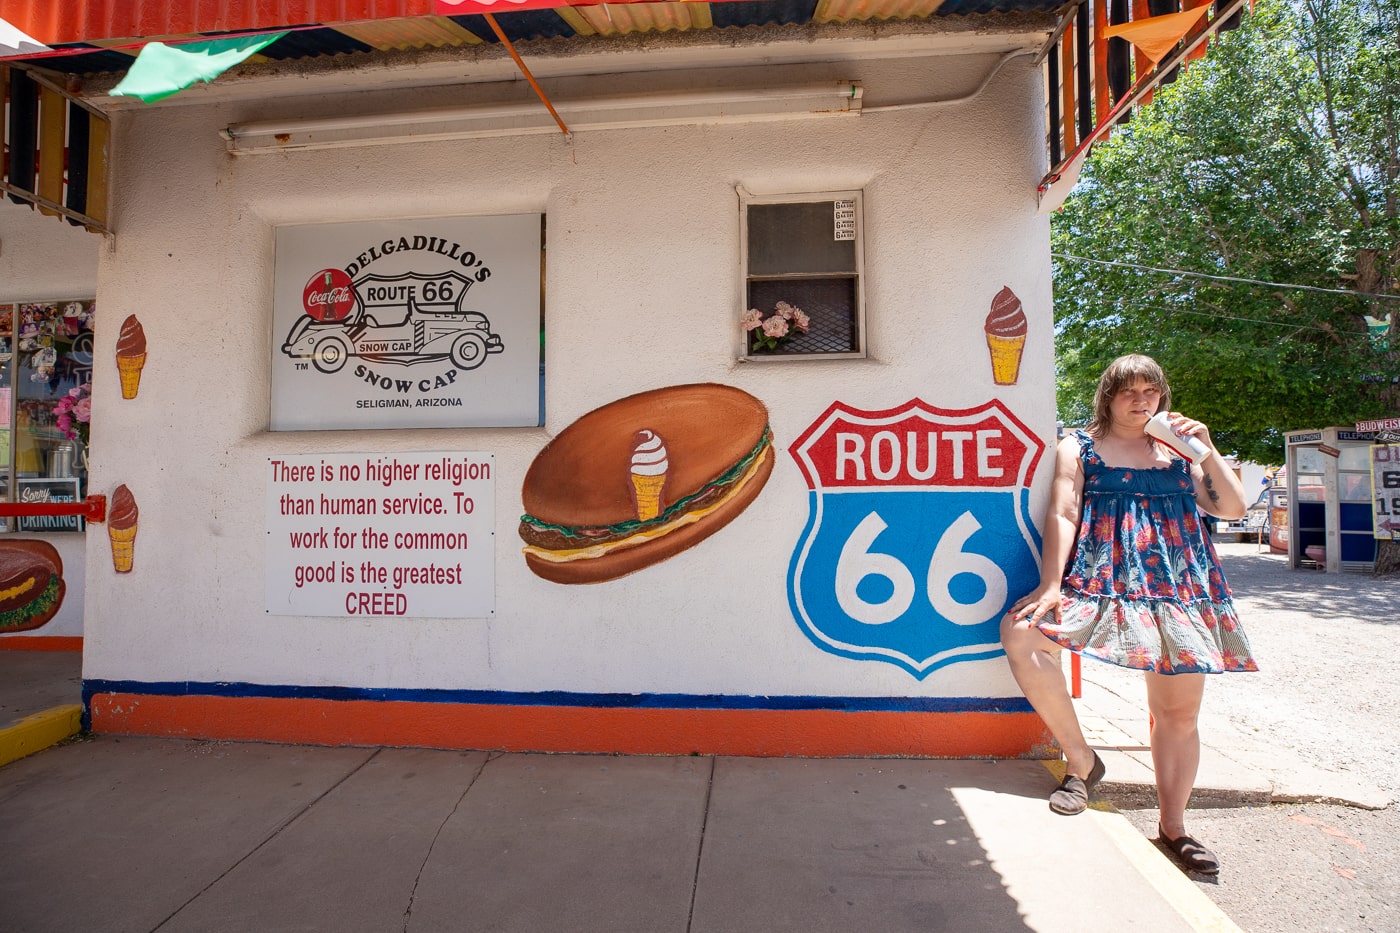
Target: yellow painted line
1189	901
1193	904
35	733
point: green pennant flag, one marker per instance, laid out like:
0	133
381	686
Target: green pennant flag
162	70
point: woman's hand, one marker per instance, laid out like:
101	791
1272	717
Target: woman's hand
1035	605
1189	427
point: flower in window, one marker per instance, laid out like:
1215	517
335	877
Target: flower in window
73	413
769	332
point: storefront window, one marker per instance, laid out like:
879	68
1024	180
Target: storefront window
804	253
45	389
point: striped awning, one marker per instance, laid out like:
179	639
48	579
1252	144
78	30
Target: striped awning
1094	82
101	36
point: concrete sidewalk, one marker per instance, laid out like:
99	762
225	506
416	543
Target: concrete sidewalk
115	834
1237	769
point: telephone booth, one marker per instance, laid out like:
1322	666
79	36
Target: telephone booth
1329	512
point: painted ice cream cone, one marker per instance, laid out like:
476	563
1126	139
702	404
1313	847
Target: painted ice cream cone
1006	337
1006	358
121	528
131	355
649	467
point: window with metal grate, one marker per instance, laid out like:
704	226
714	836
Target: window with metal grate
803	276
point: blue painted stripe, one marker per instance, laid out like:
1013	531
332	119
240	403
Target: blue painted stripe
563	698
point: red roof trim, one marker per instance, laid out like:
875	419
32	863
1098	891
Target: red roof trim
90	20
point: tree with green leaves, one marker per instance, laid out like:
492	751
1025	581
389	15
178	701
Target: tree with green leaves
1266	180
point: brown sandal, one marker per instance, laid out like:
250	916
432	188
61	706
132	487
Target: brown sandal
1190	853
1072	796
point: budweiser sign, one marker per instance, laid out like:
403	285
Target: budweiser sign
1380	424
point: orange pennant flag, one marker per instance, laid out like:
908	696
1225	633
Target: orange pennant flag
1156	35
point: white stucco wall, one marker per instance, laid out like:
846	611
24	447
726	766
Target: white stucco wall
642	291
42	258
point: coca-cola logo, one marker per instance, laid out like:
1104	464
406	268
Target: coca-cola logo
328	296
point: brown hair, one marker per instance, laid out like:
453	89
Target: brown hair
1123	372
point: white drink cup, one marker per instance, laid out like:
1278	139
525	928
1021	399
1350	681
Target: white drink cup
1189	447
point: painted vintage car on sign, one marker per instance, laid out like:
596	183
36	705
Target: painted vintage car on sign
402	319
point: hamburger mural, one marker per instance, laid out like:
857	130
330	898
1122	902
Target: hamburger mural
643	479
31	584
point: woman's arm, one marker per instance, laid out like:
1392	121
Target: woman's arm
1061	528
1218	490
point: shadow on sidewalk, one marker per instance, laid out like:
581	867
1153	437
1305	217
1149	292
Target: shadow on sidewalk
146	834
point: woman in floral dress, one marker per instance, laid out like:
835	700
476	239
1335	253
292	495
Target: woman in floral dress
1129	576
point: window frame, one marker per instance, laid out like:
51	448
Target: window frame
806	197
11	480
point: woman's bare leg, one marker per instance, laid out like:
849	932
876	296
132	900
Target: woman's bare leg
1175	702
1035	663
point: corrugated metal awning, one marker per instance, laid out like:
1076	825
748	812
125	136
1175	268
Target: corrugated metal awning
1092	85
100	36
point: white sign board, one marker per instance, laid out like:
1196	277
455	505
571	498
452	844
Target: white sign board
431	323
845	220
1385	491
406	534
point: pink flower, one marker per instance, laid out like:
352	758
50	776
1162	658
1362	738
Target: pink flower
65	424
751	319
775	326
82	410
800	321
784	310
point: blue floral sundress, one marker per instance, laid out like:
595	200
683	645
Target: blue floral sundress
1144	588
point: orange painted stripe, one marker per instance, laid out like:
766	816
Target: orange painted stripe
41	643
761	733
1102	103
1068	84
1141	61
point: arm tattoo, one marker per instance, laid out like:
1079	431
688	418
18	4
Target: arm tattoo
1210	489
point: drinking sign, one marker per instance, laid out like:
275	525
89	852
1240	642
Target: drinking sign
919	536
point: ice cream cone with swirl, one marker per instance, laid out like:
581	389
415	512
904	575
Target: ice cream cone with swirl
649	468
131	355
1006	337
121	528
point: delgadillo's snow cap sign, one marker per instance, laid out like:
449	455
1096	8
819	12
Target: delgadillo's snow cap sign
919	537
407	324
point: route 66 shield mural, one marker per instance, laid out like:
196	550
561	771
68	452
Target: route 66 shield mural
919	535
